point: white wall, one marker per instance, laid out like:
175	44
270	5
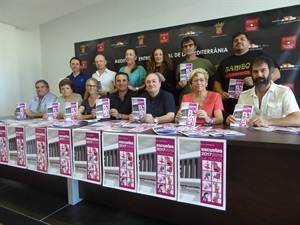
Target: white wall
44	52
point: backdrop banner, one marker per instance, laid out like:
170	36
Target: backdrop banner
276	32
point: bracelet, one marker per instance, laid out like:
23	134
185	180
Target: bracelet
137	88
120	116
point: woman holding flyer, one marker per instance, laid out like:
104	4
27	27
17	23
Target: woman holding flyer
87	105
209	106
66	88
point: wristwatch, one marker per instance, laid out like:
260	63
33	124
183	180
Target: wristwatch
120	116
155	120
137	88
210	123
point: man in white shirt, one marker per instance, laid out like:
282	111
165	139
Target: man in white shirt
274	105
105	77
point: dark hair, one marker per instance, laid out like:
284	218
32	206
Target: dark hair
166	63
238	34
42	81
263	59
187	39
136	61
122	73
64	82
76	58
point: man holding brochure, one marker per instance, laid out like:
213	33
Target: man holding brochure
274	105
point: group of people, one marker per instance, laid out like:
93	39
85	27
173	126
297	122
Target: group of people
164	91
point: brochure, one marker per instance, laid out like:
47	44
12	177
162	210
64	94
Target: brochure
102	108
71	110
165	129
185	70
277	129
188	110
53	110
20	110
235	88
218	132
242	113
138	107
197	131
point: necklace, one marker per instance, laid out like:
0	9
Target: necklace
200	99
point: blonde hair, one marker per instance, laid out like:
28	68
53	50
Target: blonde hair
196	71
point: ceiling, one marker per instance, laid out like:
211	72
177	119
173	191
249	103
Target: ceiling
26	14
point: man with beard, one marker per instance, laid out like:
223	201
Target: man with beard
236	68
274	105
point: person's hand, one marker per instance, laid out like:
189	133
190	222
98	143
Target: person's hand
258	122
45	116
148	118
60	116
131	88
201	113
182	83
178	116
131	117
114	113
224	95
78	116
102	93
230	119
94	113
248	81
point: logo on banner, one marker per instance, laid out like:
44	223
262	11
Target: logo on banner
288	66
286	19
82	49
141	39
251	25
164	38
288	42
219	28
100	47
83	64
119	44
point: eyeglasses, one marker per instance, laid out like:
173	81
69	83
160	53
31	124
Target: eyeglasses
197	80
188	45
92	86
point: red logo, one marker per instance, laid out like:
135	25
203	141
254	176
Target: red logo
83	64
164	38
100	47
251	25
288	42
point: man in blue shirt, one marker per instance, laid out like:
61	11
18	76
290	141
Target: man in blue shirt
38	105
77	77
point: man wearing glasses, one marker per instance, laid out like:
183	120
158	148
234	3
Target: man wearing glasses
38	105
189	46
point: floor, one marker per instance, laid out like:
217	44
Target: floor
42	207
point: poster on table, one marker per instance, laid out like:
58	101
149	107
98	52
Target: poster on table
87	155
202	172
60	151
119	161
157	167
41	150
4	155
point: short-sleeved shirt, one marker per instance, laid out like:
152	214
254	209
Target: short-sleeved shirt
137	77
61	100
125	106
87	108
106	79
212	102
79	82
278	102
161	104
36	106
